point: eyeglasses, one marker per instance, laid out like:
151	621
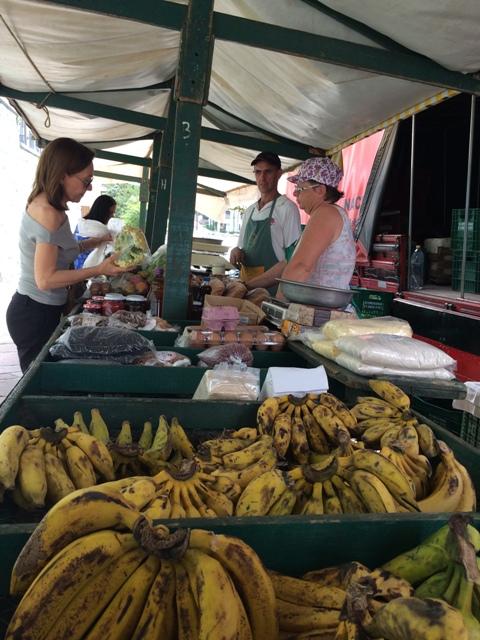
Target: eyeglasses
300	189
85	181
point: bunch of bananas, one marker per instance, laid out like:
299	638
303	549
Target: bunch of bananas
44	465
102	571
312	423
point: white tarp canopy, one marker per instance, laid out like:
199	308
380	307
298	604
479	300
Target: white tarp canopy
54	48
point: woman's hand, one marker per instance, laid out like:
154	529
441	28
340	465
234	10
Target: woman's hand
109	268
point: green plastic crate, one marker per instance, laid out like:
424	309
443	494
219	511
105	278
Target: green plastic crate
472	271
458	228
372	304
470	430
440	412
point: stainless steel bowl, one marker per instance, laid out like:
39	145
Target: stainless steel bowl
314	295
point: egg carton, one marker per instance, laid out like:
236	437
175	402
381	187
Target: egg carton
259	338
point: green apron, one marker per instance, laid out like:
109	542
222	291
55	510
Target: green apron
259	253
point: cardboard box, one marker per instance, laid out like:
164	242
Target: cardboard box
249	311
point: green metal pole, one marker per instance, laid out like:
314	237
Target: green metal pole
143	198
154	174
162	202
191	93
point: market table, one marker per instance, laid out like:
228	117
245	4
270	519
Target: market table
353	383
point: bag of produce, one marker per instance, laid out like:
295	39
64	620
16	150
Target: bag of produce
233	353
132	247
97	343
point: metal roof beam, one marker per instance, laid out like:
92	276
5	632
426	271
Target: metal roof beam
122	157
223	175
116	176
408	66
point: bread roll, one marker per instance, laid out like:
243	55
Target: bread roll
217	286
257	296
235	290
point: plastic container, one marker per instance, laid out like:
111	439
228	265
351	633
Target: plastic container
417	269
136	303
372	304
473	229
94	305
218	318
113	302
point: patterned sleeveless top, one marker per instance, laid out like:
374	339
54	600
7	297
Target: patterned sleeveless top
335	266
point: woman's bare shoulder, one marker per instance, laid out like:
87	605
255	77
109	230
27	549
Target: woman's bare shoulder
46	215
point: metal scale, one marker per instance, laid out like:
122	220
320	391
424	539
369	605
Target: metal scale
277	311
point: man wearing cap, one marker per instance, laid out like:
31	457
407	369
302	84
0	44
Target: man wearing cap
325	254
270	226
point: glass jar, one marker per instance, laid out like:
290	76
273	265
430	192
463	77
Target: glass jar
136	303
113	302
94	305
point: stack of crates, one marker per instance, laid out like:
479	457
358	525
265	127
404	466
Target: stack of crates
472	264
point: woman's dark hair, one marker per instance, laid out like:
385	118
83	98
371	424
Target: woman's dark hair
61	156
331	193
100	209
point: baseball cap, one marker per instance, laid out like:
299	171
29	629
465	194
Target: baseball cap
322	170
267	156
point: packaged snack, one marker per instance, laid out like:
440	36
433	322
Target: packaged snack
132	247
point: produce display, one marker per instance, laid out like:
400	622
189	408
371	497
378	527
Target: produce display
95	567
131	246
310	455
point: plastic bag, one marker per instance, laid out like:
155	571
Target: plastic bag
229	382
397	352
120	345
132	247
334	329
233	353
163	359
357	366
124	319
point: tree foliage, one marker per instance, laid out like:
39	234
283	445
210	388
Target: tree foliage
127	196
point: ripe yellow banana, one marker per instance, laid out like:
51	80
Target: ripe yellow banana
120	618
306	592
59	483
299	441
214	594
180	440
447	485
390	393
365	410
339	408
390	436
31	477
331	501
374	494
314	505
408	439
158	508
13	441
299	619
427	441
284	505
139	493
331	424
349	500
96	600
261	494
372	435
62	578
98	427
243	477
79	466
158	619
248	455
245	433
80	513
266	414
408	618
249	577
282	433
398	485
218	502
96	451
188	614
317	440
468	500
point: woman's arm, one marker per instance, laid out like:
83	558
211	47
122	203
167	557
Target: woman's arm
322	229
48	277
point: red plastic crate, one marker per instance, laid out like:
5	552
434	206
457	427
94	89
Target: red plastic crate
468	364
379	285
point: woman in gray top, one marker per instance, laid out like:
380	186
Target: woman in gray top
48	247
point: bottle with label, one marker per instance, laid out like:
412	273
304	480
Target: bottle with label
157	292
417	269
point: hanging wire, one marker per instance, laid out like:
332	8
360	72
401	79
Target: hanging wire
21	46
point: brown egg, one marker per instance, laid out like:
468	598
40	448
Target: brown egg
260	341
230	337
246	338
213	338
